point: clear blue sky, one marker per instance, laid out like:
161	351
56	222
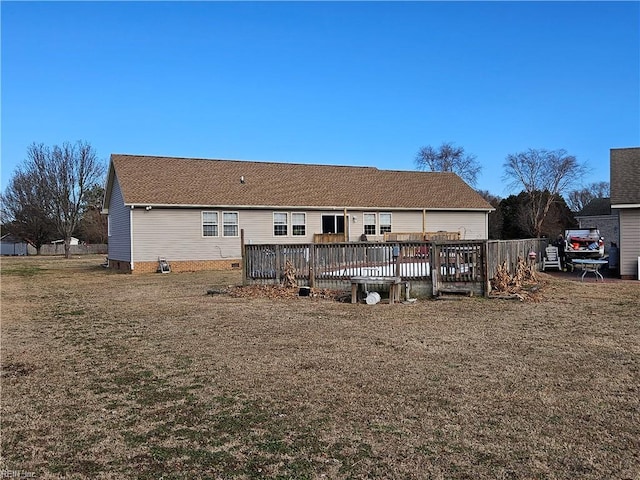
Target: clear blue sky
363	83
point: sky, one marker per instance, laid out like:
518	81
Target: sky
345	83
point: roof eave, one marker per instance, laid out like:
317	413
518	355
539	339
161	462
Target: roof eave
301	207
626	205
108	188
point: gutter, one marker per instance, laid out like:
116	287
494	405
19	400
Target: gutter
626	205
307	207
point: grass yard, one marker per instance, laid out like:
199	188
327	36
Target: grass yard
116	376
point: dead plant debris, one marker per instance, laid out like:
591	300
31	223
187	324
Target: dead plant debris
524	285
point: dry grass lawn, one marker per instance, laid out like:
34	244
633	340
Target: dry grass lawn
116	376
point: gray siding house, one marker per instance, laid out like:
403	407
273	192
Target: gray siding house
598	214
193	212
13	246
625	199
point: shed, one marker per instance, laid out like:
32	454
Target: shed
12	245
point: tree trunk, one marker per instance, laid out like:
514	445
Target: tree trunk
67	247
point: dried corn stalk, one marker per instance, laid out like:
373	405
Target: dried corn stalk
525	273
289	279
502	278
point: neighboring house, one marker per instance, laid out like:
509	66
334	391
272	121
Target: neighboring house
59	245
598	214
12	245
73	241
195	212
625	199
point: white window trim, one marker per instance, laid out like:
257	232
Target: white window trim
273	220
202	223
375	223
108	225
293	234
390	224
236	224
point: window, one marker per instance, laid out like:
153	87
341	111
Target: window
299	224
369	223
332	223
385	223
230	224
209	224
280	224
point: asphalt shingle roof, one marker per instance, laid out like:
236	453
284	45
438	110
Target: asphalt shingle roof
625	176
596	207
150	180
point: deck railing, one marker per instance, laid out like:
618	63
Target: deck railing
441	262
341	261
460	261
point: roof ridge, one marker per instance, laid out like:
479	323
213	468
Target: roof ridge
147	179
260	162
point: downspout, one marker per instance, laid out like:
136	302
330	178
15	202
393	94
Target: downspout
424	222
131	237
486	225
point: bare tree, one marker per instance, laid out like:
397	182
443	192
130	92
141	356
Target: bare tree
61	176
25	211
578	199
495	217
93	224
449	158
543	175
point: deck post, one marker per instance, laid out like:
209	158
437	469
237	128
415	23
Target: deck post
243	257
278	262
312	265
435	267
485	268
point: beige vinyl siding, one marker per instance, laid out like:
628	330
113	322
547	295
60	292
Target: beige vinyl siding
176	234
404	221
471	225
258	226
629	241
119	226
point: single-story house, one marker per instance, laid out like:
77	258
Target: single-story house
196	212
625	198
598	214
73	241
12	245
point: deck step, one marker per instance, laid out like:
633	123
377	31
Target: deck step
455	291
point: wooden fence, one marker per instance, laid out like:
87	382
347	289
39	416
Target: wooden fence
499	251
58	249
444	264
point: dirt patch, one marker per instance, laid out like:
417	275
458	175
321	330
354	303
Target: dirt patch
16	370
282	292
121	376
